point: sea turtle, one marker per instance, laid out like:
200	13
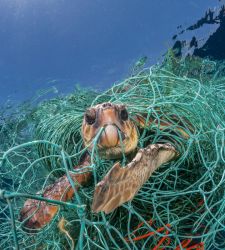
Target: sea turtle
117	134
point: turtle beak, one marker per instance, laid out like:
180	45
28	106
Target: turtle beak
110	136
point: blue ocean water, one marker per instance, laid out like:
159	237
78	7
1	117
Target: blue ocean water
62	43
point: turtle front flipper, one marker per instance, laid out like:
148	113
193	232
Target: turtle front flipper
122	183
36	214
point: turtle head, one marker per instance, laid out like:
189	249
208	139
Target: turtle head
115	132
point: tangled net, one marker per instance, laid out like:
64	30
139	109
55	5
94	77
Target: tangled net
181	206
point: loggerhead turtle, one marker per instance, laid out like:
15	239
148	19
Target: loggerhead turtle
117	134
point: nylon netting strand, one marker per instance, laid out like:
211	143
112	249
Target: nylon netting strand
182	204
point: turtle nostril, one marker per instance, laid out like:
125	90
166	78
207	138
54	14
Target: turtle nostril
106	105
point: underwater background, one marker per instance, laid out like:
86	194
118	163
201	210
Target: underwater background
165	60
91	43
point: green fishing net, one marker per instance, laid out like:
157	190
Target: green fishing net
181	205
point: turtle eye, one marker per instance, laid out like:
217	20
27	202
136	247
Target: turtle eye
90	116
124	114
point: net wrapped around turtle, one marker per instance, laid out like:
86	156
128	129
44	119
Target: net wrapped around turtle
182	204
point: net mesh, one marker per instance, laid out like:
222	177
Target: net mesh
182	204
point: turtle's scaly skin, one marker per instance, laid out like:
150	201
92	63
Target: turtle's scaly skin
36	214
115	120
120	184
